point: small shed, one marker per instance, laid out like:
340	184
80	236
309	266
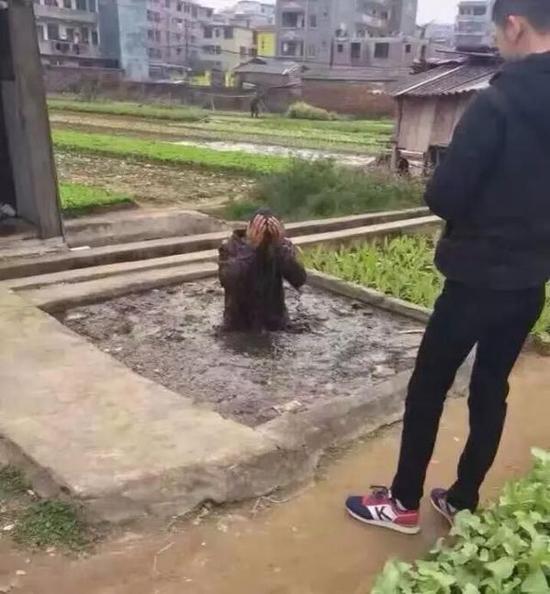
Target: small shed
431	103
28	186
265	73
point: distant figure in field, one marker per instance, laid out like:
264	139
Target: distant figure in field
255	106
252	266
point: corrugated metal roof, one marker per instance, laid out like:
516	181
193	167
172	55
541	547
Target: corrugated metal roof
448	79
355	73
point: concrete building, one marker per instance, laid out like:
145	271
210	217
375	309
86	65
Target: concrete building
224	47
315	30
474	27
68	31
266	41
250	13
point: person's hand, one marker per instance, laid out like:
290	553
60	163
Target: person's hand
255	232
276	229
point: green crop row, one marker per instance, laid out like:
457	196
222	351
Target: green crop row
165	152
79	198
401	267
503	550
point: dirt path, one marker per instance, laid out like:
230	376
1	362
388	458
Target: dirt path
153	185
304	546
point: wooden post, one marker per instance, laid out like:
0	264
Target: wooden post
27	126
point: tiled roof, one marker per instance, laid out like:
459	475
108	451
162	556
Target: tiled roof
356	73
265	66
448	79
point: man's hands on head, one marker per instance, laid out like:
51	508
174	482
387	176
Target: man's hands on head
263	228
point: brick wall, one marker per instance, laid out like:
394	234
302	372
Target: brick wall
359	99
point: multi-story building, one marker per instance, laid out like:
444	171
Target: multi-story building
68	31
474	27
250	13
266	41
157	39
316	30
226	46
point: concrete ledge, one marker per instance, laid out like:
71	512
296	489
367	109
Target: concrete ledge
132	252
59	297
371	296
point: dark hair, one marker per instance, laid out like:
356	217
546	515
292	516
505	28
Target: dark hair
537	12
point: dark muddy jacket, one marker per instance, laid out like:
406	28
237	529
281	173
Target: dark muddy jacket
253	283
493	187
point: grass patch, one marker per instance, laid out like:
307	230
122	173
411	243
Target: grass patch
164	152
305	111
80	198
401	267
52	523
157	112
39	523
504	549
317	189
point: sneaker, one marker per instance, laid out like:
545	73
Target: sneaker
380	509
439	501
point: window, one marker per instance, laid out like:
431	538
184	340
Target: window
149	15
67	4
178	51
95	37
194	11
40	32
81	5
228	32
311	50
382	50
290	20
85	32
69	34
292	48
53	32
151	52
157	36
242	51
480	10
217	32
92	5
408	48
340	48
355	51
179	6
209	13
313	21
218	50
150	34
208	32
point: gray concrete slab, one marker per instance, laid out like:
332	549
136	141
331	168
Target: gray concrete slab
121	443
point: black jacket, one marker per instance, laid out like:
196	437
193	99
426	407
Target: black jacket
253	283
493	186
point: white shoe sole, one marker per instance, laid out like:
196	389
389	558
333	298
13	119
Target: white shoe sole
387	525
449	519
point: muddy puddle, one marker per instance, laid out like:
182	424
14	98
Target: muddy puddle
339	348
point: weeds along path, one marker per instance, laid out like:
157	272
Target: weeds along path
369	139
153	185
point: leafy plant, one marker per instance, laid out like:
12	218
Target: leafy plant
304	111
316	189
166	152
401	267
503	550
80	198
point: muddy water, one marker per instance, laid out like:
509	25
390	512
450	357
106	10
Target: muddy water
304	546
339	348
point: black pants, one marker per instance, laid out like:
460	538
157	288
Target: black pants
498	322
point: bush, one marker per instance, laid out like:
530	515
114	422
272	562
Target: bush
304	111
317	189
503	550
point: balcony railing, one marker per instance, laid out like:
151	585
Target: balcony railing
55	47
65	14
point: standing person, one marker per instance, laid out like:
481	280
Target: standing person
255	106
493	191
252	266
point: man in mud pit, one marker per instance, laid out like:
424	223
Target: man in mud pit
493	191
252	266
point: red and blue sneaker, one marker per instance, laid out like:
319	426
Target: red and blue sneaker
381	509
439	500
